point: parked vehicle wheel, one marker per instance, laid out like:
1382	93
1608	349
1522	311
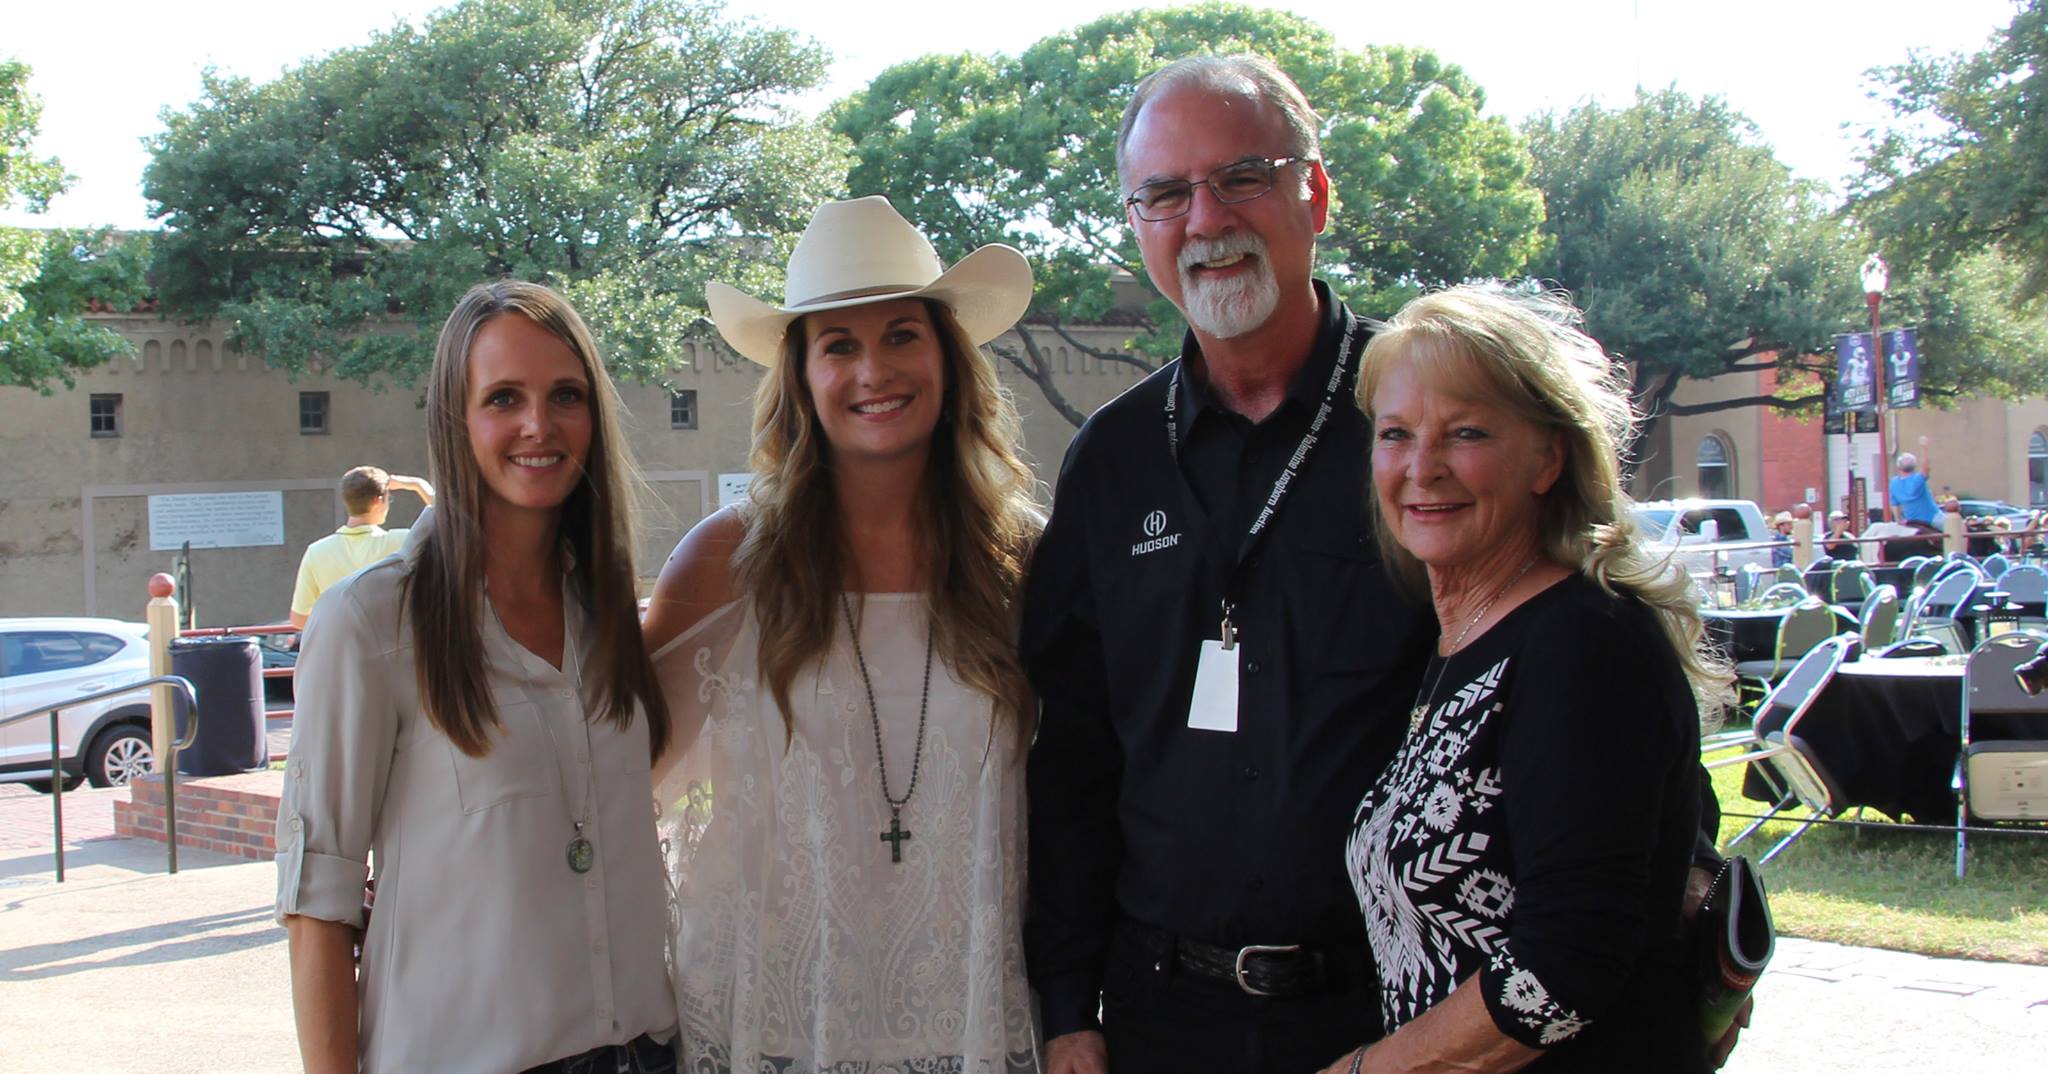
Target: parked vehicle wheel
121	753
42	786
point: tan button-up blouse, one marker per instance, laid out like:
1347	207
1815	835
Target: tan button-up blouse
486	953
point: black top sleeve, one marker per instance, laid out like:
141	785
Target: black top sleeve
1072	776
1600	812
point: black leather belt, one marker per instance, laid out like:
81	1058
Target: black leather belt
1282	970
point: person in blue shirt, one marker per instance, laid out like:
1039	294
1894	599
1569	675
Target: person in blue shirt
1912	500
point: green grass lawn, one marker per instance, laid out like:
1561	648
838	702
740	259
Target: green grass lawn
1883	887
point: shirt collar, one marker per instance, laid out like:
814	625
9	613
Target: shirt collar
1305	391
366	527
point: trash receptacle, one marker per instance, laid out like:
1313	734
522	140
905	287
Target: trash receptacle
227	681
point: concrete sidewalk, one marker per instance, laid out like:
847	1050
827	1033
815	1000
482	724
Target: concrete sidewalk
124	968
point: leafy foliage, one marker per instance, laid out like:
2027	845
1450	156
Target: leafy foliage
621	150
1965	167
1696	253
49	278
1021	149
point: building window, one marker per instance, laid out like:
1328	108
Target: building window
682	409
2037	469
312	413
106	415
1717	477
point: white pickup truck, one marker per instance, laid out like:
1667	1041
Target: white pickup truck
1695	530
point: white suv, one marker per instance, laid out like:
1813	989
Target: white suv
45	661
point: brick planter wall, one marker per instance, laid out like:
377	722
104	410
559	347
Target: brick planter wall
234	815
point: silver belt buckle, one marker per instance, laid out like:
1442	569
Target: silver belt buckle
1260	949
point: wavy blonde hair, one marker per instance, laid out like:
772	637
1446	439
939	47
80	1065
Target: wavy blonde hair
979	523
1525	350
444	593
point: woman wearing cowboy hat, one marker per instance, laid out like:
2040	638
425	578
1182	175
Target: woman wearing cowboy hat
844	814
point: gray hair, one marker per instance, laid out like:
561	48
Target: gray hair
1908	462
1243	74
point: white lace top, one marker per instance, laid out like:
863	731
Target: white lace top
800	947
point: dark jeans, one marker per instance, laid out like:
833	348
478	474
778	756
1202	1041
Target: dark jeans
641	1055
1156	1019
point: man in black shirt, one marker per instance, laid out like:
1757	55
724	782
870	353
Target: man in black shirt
1223	661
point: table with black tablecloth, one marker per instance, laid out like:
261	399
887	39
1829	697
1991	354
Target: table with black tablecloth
1752	633
1887	731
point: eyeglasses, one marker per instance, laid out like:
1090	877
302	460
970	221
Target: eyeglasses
1232	183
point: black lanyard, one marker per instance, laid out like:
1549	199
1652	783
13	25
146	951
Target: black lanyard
1333	389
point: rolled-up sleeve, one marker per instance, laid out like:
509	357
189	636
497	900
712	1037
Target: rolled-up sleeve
344	727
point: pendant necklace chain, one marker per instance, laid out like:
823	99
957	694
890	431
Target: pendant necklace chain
580	853
896	834
1424	701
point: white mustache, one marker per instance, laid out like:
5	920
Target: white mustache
1198	251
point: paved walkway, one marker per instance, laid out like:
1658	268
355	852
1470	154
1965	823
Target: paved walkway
124	968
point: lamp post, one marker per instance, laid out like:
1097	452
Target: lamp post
1876	277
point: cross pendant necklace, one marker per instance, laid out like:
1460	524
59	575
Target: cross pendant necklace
897	833
895	836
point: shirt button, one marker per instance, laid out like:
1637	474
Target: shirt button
1251	772
1251	667
295	824
590	882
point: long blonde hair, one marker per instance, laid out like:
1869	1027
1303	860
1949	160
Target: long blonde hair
1526	352
444	594
978	524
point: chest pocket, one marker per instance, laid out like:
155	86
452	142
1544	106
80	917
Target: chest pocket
1354	620
520	764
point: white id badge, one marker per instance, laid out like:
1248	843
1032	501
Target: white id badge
1214	705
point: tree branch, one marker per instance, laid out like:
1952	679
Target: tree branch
1680	410
1037	370
1098	353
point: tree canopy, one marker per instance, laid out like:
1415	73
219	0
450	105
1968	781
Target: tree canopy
49	278
984	148
1964	167
621	150
1696	253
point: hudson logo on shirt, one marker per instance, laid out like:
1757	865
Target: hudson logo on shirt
1156	537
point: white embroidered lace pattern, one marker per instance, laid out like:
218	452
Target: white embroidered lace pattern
800	948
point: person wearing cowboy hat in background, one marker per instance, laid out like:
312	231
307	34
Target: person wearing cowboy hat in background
844	813
1781	536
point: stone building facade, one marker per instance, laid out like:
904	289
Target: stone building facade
186	415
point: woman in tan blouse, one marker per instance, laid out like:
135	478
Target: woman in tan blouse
479	713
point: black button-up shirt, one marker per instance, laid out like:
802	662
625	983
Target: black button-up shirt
1229	838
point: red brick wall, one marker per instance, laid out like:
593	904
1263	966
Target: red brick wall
1791	451
234	815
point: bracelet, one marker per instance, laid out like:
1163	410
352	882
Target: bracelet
1357	1059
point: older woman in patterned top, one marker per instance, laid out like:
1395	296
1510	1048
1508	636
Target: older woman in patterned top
1522	862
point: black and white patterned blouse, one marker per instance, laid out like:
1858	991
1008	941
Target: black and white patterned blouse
1536	829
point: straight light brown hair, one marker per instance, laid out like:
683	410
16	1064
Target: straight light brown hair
444	594
979	522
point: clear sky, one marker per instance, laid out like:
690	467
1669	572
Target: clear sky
106	70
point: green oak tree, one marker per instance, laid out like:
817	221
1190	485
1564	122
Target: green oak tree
622	150
1965	165
981	148
1696	253
49	278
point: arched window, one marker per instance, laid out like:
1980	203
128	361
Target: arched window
1717	475
2037	469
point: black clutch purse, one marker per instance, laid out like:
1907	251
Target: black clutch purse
1732	942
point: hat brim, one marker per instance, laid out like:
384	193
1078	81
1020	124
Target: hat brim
988	292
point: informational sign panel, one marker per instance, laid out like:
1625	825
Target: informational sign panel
216	520
732	488
1835	423
1901	369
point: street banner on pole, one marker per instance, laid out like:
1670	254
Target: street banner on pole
1834	421
1902	371
1853	372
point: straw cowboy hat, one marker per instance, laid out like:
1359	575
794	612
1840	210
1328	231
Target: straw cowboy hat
863	251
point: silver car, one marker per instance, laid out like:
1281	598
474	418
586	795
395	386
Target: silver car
44	662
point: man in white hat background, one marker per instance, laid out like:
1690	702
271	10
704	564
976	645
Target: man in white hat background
1223	663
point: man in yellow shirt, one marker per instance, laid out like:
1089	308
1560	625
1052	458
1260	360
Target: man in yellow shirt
365	491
